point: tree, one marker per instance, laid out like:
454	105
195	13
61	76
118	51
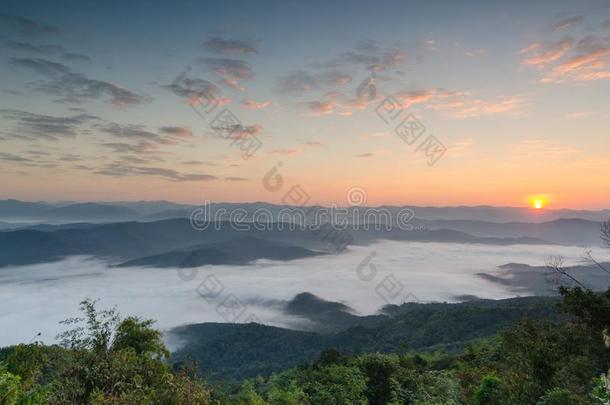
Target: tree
490	391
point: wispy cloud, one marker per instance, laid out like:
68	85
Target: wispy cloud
231	71
46	49
40	126
567	23
24	26
319	107
119	170
229	46
180	132
195	90
460	104
73	87
235	179
568	60
9	157
287	151
592	64
541	54
255	105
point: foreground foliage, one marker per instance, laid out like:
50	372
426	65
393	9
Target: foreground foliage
104	359
534	362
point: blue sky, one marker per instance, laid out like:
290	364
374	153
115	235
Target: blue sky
95	101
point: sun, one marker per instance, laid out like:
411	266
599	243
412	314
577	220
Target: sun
538	201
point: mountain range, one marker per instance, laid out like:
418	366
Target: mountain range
21	211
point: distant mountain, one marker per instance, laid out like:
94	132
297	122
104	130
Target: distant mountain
169	214
540	280
29	247
574	232
238	351
10	209
236	251
155	210
149	208
174	240
89	212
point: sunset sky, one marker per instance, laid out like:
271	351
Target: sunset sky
95	100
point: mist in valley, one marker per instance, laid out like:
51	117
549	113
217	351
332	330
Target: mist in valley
33	299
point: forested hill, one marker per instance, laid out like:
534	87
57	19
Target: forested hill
237	351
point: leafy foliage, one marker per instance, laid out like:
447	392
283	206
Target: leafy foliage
103	360
106	359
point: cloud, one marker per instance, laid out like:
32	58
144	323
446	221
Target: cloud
195	90
24	26
20	46
236	179
365	155
589	65
297	83
133	160
41	66
230	71
75	57
339	79
239	131
313	144
320	107
197	163
228	46
180	132
255	105
288	151
564	61
119	170
460	104
300	82
411	97
9	157
147	140
74	87
136	132
539	55
37	126
373	135
370	55
139	148
567	23
580	114
474	107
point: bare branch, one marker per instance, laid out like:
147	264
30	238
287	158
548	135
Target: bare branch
589	256
605	232
555	263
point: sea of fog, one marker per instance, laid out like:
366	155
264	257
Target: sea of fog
33	299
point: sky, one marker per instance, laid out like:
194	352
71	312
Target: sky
407	102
